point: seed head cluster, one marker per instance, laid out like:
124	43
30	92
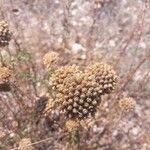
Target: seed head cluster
62	75
82	95
104	75
5	74
80	91
50	59
127	104
5	35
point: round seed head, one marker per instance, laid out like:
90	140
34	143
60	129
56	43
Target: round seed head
75	104
127	104
74	110
94	102
76	99
86	105
50	59
85	111
69	107
105	76
82	90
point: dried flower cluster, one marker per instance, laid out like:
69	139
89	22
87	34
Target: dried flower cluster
79	92
50	59
5	74
104	75
25	144
127	104
5	35
61	75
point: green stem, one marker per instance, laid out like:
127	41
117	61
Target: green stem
75	139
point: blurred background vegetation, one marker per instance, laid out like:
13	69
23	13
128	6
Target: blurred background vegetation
111	31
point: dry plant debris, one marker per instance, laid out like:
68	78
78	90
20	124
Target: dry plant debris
5	35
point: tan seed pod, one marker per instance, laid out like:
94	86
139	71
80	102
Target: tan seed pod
77	93
76	99
82	96
86	104
69	107
80	107
94	102
74	110
75	104
89	100
81	101
83	89
85	111
70	100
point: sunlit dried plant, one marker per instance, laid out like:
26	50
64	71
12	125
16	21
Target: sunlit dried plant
127	104
79	91
25	144
5	74
104	75
50	59
5	35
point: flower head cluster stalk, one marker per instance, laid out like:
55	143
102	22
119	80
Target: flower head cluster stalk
5	35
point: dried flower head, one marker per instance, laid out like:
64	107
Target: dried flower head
78	92
5	35
25	144
5	74
104	75
81	96
127	104
72	125
50	59
61	74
